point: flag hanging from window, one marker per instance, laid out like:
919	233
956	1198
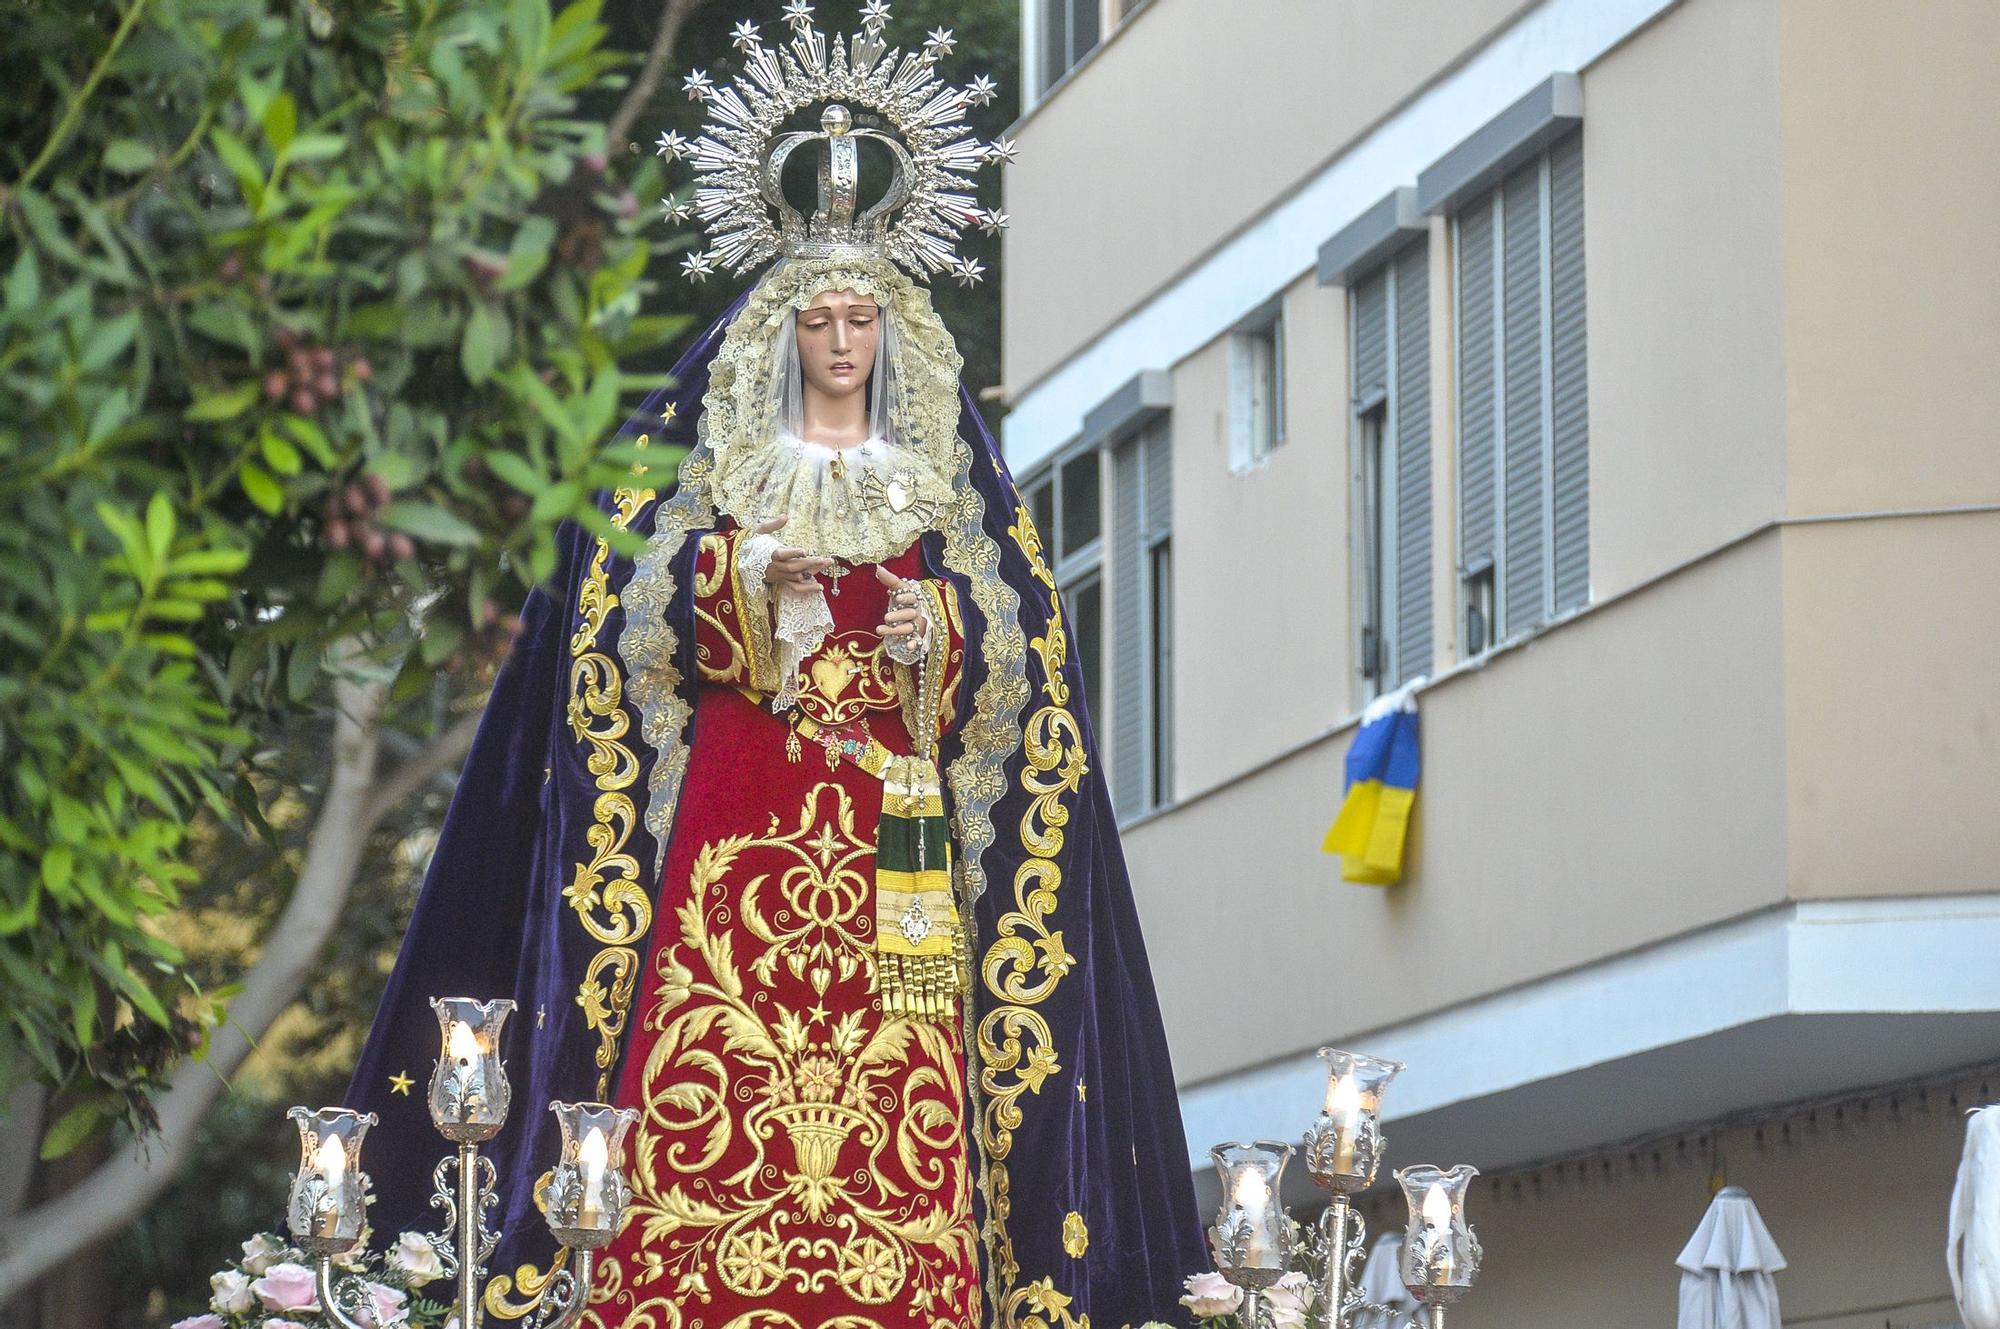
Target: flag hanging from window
1382	764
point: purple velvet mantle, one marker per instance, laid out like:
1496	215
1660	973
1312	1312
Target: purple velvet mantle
1100	1133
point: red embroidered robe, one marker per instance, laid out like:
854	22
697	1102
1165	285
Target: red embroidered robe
800	1160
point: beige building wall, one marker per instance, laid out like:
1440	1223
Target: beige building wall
1260	559
1193	118
1684	254
1891	122
1612	784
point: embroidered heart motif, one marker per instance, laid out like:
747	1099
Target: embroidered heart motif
898	494
832	674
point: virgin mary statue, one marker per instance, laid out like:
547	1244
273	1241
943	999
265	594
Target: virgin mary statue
789	833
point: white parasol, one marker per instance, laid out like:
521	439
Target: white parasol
1972	1249
1382	1285
1726	1267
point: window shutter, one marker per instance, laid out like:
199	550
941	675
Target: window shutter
1128	660
1411	406
1570	413
1159	512
1159	466
1523	570
1477	431
1371	334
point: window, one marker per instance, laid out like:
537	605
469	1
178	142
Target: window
1068	29
1065	503
1141	716
1524	465
1389	341
1256	391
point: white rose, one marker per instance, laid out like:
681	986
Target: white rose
232	1292
261	1252
1288	1301
1211	1296
417	1258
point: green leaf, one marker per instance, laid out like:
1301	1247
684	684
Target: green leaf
223	405
485	338
316	147
24	283
58	866
308	436
108	341
242	163
517	471
159	526
427	521
261	488
441	638
208	563
282	456
73	1128
110	415
281	121
529	252
127	156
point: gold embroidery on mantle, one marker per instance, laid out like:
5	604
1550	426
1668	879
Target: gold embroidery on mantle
1027	959
813	1081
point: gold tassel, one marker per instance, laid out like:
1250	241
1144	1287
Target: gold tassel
793	752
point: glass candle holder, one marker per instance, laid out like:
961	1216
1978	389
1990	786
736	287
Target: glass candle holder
584	1197
1440	1251
1251	1236
469	1092
1344	1146
328	1206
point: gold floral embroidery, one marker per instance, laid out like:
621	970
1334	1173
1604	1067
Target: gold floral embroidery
1076	1235
815	1080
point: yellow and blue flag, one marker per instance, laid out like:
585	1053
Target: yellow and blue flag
1382	767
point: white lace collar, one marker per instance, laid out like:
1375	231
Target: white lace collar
863	503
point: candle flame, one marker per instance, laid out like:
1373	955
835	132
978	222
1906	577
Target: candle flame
594	1151
463	1045
331	1160
1343	1101
1252	1191
1437	1206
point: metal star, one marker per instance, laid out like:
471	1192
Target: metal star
699	86
941	41
400	1083
672	145
1002	149
676	212
697	267
744	36
874	15
667	415
798	13
968	271
993	221
982	91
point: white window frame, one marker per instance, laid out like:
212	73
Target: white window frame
1076	569
1257	388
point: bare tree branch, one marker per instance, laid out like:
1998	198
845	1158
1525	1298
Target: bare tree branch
441	754
37	1241
673	17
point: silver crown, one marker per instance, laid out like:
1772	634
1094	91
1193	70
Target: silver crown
740	157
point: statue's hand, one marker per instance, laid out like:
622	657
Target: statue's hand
790	567
906	620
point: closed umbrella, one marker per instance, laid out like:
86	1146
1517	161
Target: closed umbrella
1972	1248
1726	1267
1382	1286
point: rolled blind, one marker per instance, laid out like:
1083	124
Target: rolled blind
1128	655
1570	413
1523	571
1410	419
1477	432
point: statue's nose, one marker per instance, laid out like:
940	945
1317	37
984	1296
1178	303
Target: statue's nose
840	342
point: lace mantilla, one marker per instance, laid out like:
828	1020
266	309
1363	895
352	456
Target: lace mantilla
864	507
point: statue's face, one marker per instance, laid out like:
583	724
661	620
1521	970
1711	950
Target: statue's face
838	336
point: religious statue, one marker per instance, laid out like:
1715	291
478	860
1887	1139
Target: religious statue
790	832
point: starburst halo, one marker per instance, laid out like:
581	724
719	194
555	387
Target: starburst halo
919	113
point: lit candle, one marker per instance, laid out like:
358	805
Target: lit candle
462	1046
331	1161
1437	1232
1343	1107
592	1153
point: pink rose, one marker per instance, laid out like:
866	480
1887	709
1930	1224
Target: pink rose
384	1306
1211	1296
287	1287
1287	1301
209	1321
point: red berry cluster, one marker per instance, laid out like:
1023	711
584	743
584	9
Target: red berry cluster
351	512
311	377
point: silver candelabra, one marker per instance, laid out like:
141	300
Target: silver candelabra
583	1198
1252	1236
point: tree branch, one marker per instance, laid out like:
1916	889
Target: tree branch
37	1241
673	17
443	753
